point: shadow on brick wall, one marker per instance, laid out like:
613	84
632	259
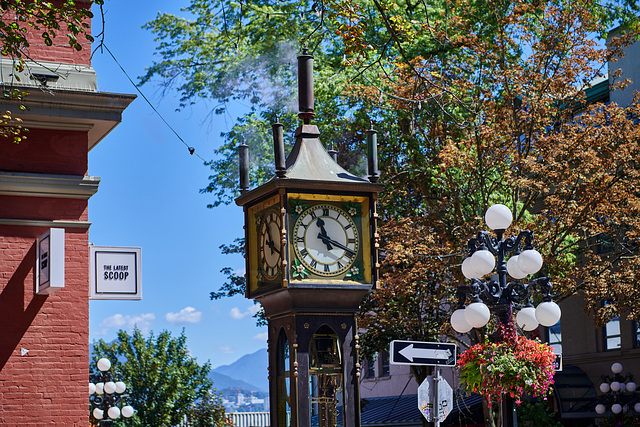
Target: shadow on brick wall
15	319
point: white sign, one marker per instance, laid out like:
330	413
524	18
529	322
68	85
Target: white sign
115	273
422	353
435	398
50	261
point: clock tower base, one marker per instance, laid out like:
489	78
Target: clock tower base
314	370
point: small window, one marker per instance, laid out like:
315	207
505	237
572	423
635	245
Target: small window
636	334
554	338
384	363
370	365
612	339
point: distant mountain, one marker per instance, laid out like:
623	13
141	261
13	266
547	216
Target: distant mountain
221	382
250	369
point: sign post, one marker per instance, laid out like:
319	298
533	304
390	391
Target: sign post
435	395
435	398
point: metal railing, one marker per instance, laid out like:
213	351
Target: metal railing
249	419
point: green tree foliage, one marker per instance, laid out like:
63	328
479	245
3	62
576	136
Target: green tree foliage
20	22
208	412
164	382
475	103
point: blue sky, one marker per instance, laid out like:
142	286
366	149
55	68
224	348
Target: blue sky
149	197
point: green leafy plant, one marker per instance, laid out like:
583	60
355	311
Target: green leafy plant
534	414
513	365
621	420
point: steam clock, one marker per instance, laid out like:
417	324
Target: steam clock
311	258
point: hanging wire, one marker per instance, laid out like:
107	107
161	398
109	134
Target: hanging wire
192	150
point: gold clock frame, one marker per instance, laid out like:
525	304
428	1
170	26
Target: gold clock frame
256	282
364	258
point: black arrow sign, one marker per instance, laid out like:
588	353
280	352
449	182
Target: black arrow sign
423	353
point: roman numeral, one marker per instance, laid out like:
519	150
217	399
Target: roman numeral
326	268
351	241
325	212
314	263
313	215
304	253
348	226
299	239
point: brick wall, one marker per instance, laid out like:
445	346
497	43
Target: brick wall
47	151
48	385
60	51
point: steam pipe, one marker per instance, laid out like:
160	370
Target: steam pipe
372	155
243	163
278	148
305	86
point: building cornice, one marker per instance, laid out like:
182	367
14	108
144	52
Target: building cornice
48	185
63	97
44	223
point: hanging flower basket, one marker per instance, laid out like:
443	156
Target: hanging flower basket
515	365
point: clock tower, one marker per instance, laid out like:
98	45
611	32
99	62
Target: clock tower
311	255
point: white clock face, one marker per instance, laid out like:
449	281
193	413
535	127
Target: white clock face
270	245
326	240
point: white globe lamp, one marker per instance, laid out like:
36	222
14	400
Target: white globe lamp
104	364
120	387
513	269
636	407
605	388
498	217
459	322
526	319
477	314
109	387
615	386
468	271
482	262
600	408
616	408
616	368
99	388
114	412
98	413
548	313
127	411
631	386
530	261
92	388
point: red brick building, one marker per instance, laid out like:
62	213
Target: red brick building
44	183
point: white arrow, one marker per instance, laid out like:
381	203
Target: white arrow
410	353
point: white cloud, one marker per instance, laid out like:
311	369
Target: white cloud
237	314
226	349
127	322
186	315
261	337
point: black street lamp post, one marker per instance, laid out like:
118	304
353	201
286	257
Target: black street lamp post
619	393
106	395
497	295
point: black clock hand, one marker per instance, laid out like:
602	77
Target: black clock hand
323	234
271	244
325	239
